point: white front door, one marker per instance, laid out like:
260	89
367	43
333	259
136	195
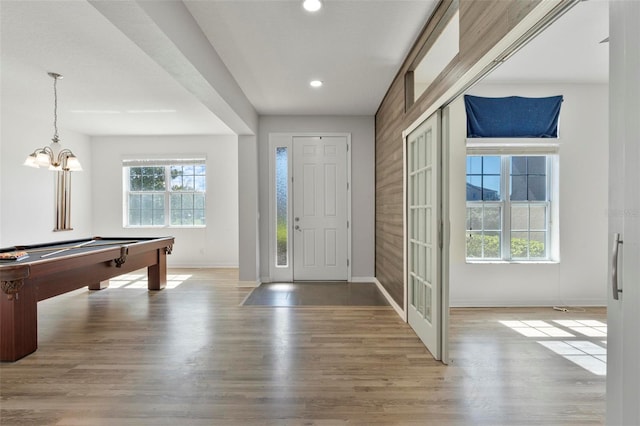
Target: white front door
623	308
423	233
320	208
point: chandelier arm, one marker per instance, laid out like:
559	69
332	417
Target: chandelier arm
46	150
63	154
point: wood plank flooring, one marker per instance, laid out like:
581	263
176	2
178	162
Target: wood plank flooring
191	355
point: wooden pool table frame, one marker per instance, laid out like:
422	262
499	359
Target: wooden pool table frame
27	282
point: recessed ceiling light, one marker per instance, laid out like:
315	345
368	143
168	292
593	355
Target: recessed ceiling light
312	5
315	83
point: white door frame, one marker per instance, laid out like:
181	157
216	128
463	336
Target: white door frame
285	140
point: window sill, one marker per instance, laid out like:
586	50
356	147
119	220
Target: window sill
512	262
166	227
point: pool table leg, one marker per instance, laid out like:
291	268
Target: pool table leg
99	285
157	273
18	324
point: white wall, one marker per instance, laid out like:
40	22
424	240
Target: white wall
27	205
581	275
213	246
362	131
248	246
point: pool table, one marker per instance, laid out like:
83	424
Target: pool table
29	274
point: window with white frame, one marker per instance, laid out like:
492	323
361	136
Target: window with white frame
509	207
160	193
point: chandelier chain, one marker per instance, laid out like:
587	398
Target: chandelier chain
55	108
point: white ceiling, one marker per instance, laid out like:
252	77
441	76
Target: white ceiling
105	74
568	51
273	48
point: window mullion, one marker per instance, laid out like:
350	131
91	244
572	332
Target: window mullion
506	215
167	196
548	223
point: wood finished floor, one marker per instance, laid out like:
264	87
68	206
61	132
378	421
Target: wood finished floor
191	355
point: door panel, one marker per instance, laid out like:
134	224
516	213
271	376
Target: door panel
623	308
320	208
423	222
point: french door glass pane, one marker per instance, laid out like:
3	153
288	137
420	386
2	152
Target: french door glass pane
427	303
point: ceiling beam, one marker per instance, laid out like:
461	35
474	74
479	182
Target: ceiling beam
169	35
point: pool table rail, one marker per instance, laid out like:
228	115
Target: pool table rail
28	281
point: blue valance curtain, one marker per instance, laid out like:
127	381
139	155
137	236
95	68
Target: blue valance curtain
512	117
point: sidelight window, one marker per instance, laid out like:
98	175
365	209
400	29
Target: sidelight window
282	206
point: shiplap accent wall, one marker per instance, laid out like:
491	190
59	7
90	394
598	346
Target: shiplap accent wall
482	25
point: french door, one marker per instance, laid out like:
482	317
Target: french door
423	233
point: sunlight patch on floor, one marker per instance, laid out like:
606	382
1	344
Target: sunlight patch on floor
140	281
586	354
590	328
536	329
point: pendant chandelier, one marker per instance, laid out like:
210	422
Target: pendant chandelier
53	156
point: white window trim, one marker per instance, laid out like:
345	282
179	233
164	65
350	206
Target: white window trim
151	161
500	147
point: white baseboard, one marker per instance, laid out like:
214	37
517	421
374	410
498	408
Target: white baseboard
198	266
251	284
362	280
392	302
469	303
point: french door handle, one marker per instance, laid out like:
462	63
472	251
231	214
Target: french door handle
614	266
